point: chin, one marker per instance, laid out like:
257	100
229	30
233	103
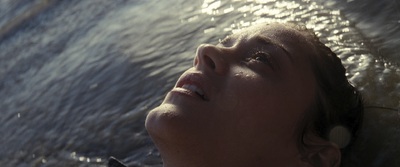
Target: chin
169	123
165	122
156	121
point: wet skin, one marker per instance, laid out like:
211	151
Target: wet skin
240	103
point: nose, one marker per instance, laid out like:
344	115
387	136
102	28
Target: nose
210	57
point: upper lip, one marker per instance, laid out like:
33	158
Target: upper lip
197	81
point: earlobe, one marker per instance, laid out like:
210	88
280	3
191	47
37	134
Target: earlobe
321	153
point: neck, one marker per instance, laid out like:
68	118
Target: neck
180	157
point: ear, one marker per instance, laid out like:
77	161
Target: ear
318	152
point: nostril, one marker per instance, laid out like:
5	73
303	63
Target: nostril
209	62
210	57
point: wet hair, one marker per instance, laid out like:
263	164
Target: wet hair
338	108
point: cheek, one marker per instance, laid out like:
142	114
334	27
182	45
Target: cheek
249	94
258	105
251	90
241	90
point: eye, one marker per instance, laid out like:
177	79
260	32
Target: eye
262	57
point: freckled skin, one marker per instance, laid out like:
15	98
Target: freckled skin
253	113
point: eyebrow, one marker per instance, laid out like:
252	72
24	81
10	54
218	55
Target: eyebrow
225	40
268	41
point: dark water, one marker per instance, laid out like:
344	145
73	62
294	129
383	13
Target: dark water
77	77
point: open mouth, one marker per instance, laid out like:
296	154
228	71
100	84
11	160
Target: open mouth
194	83
196	90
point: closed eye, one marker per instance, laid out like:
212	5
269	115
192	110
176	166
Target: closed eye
262	57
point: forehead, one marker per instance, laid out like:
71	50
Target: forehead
285	35
277	32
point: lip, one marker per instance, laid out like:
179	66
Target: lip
193	78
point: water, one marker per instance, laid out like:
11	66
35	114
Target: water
77	77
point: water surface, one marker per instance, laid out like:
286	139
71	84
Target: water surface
78	77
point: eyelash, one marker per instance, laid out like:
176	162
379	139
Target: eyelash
262	57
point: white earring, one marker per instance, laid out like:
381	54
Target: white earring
340	135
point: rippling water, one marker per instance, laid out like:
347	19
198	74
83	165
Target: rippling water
77	77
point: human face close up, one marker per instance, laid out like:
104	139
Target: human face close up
244	98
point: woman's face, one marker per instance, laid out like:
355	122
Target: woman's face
245	95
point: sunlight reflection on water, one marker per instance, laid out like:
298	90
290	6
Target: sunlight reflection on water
77	82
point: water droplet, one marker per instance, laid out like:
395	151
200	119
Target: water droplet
73	154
